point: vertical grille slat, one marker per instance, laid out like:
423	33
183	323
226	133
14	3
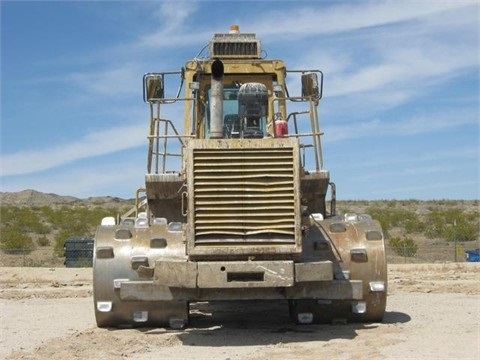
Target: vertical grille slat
244	196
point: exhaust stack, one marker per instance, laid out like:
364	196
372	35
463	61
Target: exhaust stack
216	101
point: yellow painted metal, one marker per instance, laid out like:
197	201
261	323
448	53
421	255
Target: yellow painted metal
262	71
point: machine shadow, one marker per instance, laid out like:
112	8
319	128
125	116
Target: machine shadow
395	317
251	323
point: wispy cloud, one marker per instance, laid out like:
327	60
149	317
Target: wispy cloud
446	156
383	67
416	124
94	144
117	178
426	64
174	29
111	81
338	18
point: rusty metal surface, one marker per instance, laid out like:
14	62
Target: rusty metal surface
328	272
245	274
314	271
109	273
181	274
328	290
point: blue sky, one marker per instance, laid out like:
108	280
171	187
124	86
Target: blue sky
400	109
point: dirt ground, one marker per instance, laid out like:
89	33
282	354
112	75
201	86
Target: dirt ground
433	312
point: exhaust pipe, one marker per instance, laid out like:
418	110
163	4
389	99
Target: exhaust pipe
216	101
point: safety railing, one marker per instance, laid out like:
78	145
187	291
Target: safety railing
313	133
161	131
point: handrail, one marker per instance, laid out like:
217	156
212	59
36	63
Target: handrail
159	143
135	209
315	133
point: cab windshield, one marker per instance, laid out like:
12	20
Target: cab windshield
234	125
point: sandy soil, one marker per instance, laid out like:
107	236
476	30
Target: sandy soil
433	312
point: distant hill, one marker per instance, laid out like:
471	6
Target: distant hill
31	197
34	198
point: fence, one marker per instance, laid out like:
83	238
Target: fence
40	257
434	253
45	257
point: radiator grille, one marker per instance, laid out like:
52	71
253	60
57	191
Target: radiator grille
235	46
243	196
235	49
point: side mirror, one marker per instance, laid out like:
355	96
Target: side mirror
153	87
311	87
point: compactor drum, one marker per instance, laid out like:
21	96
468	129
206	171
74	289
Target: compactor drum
235	206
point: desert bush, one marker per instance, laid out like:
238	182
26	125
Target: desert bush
24	219
80	219
43	241
18	223
60	239
13	238
461	230
414	225
390	217
63	235
403	246
452	224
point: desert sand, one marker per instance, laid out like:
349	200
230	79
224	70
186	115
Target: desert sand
433	312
